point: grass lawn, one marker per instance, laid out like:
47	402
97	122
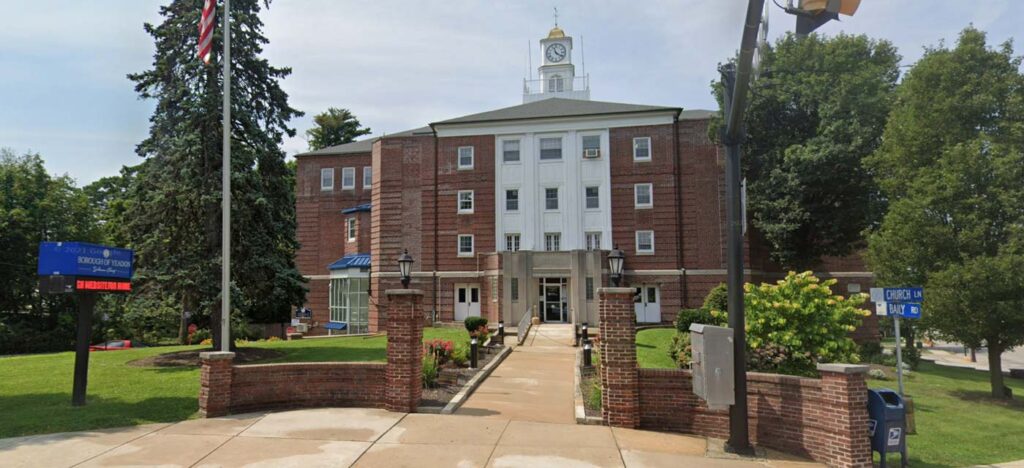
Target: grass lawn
35	390
652	348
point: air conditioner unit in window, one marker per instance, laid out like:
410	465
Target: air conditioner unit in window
592	153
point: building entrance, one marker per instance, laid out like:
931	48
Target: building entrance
554	299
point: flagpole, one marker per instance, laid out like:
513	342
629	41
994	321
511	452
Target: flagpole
225	269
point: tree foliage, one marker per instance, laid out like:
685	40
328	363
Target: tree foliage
334	127
815	112
173	219
952	166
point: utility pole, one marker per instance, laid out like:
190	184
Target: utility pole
736	81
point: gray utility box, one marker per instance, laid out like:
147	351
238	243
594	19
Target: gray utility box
712	365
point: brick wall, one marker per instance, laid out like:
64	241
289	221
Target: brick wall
619	402
306	385
404	378
450	180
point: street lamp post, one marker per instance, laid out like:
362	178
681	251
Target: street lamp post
405	267
615	260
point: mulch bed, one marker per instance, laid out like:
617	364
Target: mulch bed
446	390
191	358
589	379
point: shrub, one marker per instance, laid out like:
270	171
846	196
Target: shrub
430	371
273	338
679	349
201	335
717	298
460	355
689	316
206	342
440	349
804	320
475	324
877	374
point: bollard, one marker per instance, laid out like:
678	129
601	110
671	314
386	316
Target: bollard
501	332
472	353
587	358
585	337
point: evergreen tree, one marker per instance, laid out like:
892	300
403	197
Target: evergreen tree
174	215
818	108
952	165
334	127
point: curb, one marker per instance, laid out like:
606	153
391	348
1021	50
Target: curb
581	412
473	383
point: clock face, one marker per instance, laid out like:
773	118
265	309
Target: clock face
555	52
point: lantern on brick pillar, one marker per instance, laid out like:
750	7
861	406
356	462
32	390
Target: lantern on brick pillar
405	267
615	260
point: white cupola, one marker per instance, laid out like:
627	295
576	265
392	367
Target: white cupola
557	74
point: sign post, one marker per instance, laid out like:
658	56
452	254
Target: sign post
898	302
85	271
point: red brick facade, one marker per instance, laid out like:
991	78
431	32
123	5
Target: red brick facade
619	399
403	377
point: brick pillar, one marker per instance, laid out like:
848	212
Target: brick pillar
215	383
404	376
847	392
620	405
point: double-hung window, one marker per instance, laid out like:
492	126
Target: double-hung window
350	228
551	199
642	149
643	196
512	242
510	151
367	177
327	178
593	199
593	241
550	149
591	146
465	245
465	157
645	242
465	202
512	200
348	178
552	241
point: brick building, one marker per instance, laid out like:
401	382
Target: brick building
513	211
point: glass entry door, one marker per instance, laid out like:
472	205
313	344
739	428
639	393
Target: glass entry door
554	300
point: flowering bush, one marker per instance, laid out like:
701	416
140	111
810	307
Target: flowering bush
440	350
798	322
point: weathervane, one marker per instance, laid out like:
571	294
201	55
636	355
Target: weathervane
556	17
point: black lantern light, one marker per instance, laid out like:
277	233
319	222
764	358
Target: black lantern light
615	260
405	267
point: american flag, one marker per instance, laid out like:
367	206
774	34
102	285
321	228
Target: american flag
206	30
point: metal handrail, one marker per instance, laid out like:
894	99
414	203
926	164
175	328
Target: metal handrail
524	325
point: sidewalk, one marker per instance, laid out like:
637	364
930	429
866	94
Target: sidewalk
340	437
951	354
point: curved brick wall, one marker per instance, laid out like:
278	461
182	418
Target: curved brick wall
305	385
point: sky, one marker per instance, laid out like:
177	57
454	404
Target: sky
399	65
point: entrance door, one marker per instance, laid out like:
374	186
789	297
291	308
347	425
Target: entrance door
554	300
647	304
467	301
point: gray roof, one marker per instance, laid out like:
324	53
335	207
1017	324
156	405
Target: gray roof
556	107
365	145
697	114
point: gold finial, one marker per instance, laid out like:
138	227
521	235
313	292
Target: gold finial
556	32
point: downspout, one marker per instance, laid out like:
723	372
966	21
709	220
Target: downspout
677	169
437	280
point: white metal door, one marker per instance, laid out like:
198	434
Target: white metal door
647	304
467	301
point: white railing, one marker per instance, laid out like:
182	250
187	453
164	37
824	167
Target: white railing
524	325
577	88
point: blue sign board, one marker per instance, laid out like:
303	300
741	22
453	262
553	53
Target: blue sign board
913	295
82	259
907	310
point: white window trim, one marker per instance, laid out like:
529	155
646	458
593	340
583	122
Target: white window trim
348	170
637	240
600	146
519	241
649	152
585	207
519	200
472	245
325	171
554	234
650	191
561	149
350	226
458	158
367	181
558	199
458	202
586	239
501	151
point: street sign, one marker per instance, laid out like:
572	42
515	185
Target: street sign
908	310
911	311
902	295
82	259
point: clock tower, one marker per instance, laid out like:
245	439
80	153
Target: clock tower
557	72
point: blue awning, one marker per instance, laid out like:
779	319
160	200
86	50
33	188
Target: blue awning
358	208
359	260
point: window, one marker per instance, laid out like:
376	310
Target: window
644	242
367	177
642	196
512	242
552	241
465	245
591	146
465	157
593	201
327	178
465	201
593	241
348	303
642	149
512	200
550	149
350	227
348	178
556	84
551	199
590	288
514	289
510	151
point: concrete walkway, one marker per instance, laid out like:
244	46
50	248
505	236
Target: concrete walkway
341	437
952	354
